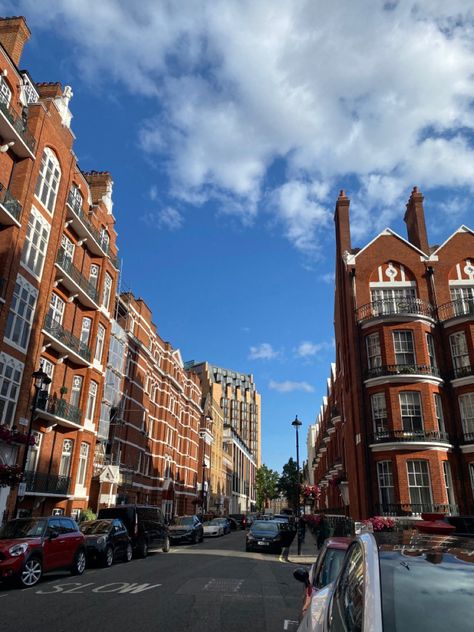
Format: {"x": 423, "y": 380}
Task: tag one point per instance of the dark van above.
{"x": 145, "y": 525}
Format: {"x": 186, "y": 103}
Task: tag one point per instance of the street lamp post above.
{"x": 203, "y": 502}
{"x": 296, "y": 424}
{"x": 40, "y": 380}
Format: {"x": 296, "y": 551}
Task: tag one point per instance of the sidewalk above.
{"x": 309, "y": 550}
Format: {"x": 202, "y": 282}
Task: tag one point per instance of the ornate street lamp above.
{"x": 296, "y": 425}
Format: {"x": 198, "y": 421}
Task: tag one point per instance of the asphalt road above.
{"x": 210, "y": 587}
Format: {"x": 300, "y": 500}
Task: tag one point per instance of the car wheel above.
{"x": 108, "y": 557}
{"x": 31, "y": 572}
{"x": 201, "y": 539}
{"x": 79, "y": 564}
{"x": 194, "y": 538}
{"x": 128, "y": 553}
{"x": 143, "y": 549}
{"x": 166, "y": 545}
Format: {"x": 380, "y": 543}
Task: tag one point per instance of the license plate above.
{"x": 262, "y": 543}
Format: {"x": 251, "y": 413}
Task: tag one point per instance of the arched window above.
{"x": 48, "y": 180}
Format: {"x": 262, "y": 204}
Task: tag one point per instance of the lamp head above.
{"x": 296, "y": 423}
{"x": 40, "y": 378}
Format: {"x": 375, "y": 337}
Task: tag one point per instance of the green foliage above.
{"x": 266, "y": 482}
{"x": 87, "y": 514}
{"x": 289, "y": 484}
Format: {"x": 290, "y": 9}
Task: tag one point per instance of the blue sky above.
{"x": 229, "y": 128}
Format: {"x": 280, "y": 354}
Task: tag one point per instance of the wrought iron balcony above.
{"x": 13, "y": 128}
{"x": 462, "y": 371}
{"x": 402, "y": 369}
{"x": 115, "y": 261}
{"x": 101, "y": 247}
{"x": 404, "y": 436}
{"x": 395, "y": 307}
{"x": 66, "y": 339}
{"x": 455, "y": 309}
{"x": 81, "y": 283}
{"x": 414, "y": 509}
{"x": 60, "y": 409}
{"x": 468, "y": 437}
{"x": 10, "y": 208}
{"x": 45, "y": 483}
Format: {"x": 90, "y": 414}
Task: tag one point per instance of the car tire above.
{"x": 79, "y": 564}
{"x": 201, "y": 539}
{"x": 30, "y": 573}
{"x": 143, "y": 549}
{"x": 108, "y": 557}
{"x": 166, "y": 545}
{"x": 128, "y": 553}
{"x": 194, "y": 539}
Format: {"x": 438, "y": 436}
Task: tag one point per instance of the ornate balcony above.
{"x": 13, "y": 129}
{"x": 59, "y": 411}
{"x": 462, "y": 375}
{"x": 414, "y": 510}
{"x": 395, "y": 309}
{"x": 411, "y": 436}
{"x": 75, "y": 282}
{"x": 84, "y": 227}
{"x": 460, "y": 308}
{"x": 403, "y": 373}
{"x": 10, "y": 208}
{"x": 65, "y": 342}
{"x": 39, "y": 483}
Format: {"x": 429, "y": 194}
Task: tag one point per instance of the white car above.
{"x": 213, "y": 529}
{"x": 399, "y": 583}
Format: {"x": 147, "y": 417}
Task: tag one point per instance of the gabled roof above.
{"x": 461, "y": 229}
{"x": 388, "y": 231}
{"x": 177, "y": 355}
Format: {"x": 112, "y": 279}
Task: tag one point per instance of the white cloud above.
{"x": 382, "y": 93}
{"x": 306, "y": 349}
{"x": 166, "y": 218}
{"x": 328, "y": 277}
{"x": 289, "y": 387}
{"x": 263, "y": 351}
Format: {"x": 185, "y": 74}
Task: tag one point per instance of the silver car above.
{"x": 398, "y": 583}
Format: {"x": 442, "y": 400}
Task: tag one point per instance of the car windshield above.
{"x": 427, "y": 591}
{"x": 330, "y": 568}
{"x": 185, "y": 520}
{"x": 264, "y": 525}
{"x": 98, "y": 526}
{"x": 24, "y": 528}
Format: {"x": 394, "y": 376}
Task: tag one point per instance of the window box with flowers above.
{"x": 11, "y": 435}
{"x": 380, "y": 523}
{"x": 10, "y": 475}
{"x": 310, "y": 492}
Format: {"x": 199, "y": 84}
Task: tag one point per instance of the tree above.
{"x": 289, "y": 483}
{"x": 266, "y": 482}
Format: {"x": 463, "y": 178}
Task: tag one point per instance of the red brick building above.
{"x": 396, "y": 430}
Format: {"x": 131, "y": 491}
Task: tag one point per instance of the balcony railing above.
{"x": 60, "y": 408}
{"x": 410, "y": 509}
{"x": 393, "y": 307}
{"x": 19, "y": 125}
{"x": 389, "y": 436}
{"x": 402, "y": 369}
{"x": 468, "y": 437}
{"x": 76, "y": 207}
{"x": 70, "y": 269}
{"x": 115, "y": 261}
{"x": 66, "y": 338}
{"x": 462, "y": 371}
{"x": 454, "y": 309}
{"x": 9, "y": 203}
{"x": 44, "y": 483}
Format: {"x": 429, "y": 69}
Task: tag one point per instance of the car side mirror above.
{"x": 302, "y": 575}
{"x": 53, "y": 533}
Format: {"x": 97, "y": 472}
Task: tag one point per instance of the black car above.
{"x": 264, "y": 535}
{"x": 107, "y": 540}
{"x": 286, "y": 531}
{"x": 145, "y": 525}
{"x": 186, "y": 529}
{"x": 240, "y": 519}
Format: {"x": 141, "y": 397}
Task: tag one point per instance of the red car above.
{"x": 30, "y": 547}
{"x": 325, "y": 569}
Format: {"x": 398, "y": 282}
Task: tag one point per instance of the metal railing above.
{"x": 115, "y": 261}
{"x": 44, "y": 483}
{"x": 402, "y": 369}
{"x": 20, "y": 126}
{"x": 66, "y": 338}
{"x": 76, "y": 207}
{"x": 468, "y": 437}
{"x": 393, "y": 307}
{"x": 60, "y": 408}
{"x": 10, "y": 203}
{"x": 387, "y": 436}
{"x": 462, "y": 371}
{"x": 414, "y": 509}
{"x": 70, "y": 269}
{"x": 459, "y": 307}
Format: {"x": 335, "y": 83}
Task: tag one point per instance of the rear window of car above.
{"x": 427, "y": 591}
{"x": 124, "y": 513}
{"x": 264, "y": 525}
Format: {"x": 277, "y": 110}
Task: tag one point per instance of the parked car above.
{"x": 287, "y": 533}
{"x": 240, "y": 519}
{"x": 234, "y": 525}
{"x": 30, "y": 547}
{"x": 264, "y": 535}
{"x": 225, "y": 522}
{"x": 145, "y": 525}
{"x": 186, "y": 528}
{"x": 107, "y": 540}
{"x": 212, "y": 528}
{"x": 324, "y": 570}
{"x": 290, "y": 521}
{"x": 398, "y": 582}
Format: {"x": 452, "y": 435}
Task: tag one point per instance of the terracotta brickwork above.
{"x": 395, "y": 433}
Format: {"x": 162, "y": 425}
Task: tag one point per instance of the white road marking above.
{"x": 237, "y": 588}
{"x": 78, "y": 588}
{"x": 289, "y": 624}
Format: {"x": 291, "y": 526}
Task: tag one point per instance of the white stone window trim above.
{"x": 40, "y": 219}
{"x": 48, "y": 157}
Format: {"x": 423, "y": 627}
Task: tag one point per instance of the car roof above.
{"x": 340, "y": 543}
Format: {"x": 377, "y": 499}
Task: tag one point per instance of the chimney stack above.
{"x": 415, "y": 221}
{"x": 14, "y": 33}
{"x": 341, "y": 219}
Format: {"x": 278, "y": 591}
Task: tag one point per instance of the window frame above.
{"x": 411, "y": 417}
{"x": 83, "y": 463}
{"x": 65, "y": 471}
{"x": 35, "y": 245}
{"x": 18, "y": 336}
{"x": 379, "y": 428}
{"x": 466, "y": 412}
{"x": 459, "y": 353}
{"x": 404, "y": 340}
{"x": 99, "y": 343}
{"x": 372, "y": 342}
{"x": 48, "y": 181}
{"x": 384, "y": 476}
{"x": 428, "y": 487}
{"x": 91, "y": 400}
